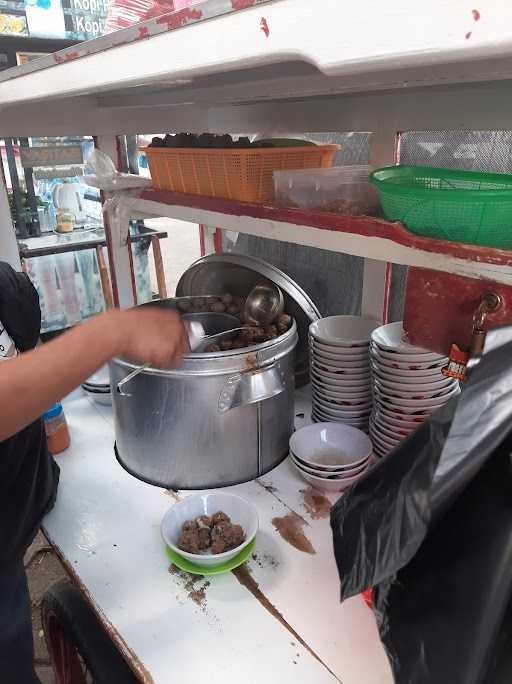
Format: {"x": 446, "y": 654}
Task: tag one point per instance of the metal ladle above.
{"x": 264, "y": 304}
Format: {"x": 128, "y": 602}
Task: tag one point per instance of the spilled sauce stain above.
{"x": 316, "y": 504}
{"x": 290, "y": 528}
{"x": 174, "y": 495}
{"x": 190, "y": 582}
{"x": 245, "y": 578}
{"x": 476, "y": 14}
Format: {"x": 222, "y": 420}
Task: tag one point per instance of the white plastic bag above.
{"x": 101, "y": 173}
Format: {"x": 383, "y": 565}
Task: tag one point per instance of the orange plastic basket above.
{"x": 237, "y": 174}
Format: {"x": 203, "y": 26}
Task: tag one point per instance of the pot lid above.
{"x": 237, "y": 274}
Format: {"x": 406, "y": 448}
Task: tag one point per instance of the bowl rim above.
{"x": 225, "y": 555}
{"x": 327, "y": 425}
{"x": 339, "y": 473}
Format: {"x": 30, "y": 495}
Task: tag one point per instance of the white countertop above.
{"x": 106, "y": 528}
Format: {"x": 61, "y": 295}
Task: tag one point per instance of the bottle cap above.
{"x": 55, "y": 410}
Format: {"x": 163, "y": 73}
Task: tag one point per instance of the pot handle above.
{"x": 250, "y": 387}
{"x": 129, "y": 377}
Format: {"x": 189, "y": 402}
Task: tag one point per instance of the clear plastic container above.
{"x": 340, "y": 189}
{"x": 57, "y": 432}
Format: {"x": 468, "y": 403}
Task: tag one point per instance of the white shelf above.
{"x": 184, "y": 67}
{"x": 366, "y": 237}
{"x": 105, "y": 526}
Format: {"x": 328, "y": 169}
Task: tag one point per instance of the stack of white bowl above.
{"x": 340, "y": 369}
{"x": 408, "y": 386}
{"x": 330, "y": 456}
{"x": 97, "y": 387}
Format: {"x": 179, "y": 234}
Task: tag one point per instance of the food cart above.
{"x": 266, "y": 66}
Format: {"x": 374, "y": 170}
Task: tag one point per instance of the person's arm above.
{"x": 31, "y": 383}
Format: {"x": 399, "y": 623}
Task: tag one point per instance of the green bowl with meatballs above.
{"x": 210, "y": 529}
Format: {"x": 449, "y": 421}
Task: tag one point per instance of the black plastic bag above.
{"x": 380, "y": 525}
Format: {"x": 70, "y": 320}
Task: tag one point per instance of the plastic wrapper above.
{"x": 405, "y": 509}
{"x": 101, "y": 173}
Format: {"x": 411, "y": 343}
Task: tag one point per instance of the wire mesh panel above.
{"x": 466, "y": 150}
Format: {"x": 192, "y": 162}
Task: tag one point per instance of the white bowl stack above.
{"x": 329, "y": 456}
{"x": 98, "y": 387}
{"x": 408, "y": 386}
{"x": 340, "y": 369}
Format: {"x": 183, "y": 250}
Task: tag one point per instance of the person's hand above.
{"x": 151, "y": 335}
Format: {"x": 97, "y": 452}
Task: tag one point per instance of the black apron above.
{"x": 28, "y": 474}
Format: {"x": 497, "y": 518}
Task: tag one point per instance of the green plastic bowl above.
{"x": 445, "y": 204}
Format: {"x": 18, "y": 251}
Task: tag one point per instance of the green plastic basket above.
{"x": 461, "y": 206}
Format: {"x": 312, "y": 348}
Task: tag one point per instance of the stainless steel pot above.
{"x": 238, "y": 274}
{"x": 219, "y": 419}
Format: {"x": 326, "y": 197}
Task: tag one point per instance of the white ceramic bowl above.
{"x": 344, "y": 402}
{"x": 412, "y": 392}
{"x": 359, "y": 423}
{"x": 397, "y": 421}
{"x": 332, "y": 444}
{"x": 412, "y": 366}
{"x": 341, "y": 411}
{"x": 332, "y": 474}
{"x": 411, "y": 415}
{"x": 347, "y": 367}
{"x": 336, "y": 485}
{"x": 377, "y": 436}
{"x": 407, "y": 376}
{"x": 343, "y": 331}
{"x": 337, "y": 353}
{"x": 390, "y": 431}
{"x": 392, "y": 337}
{"x": 347, "y": 383}
{"x": 405, "y": 358}
{"x": 362, "y": 361}
{"x": 417, "y": 403}
{"x": 426, "y": 386}
{"x": 240, "y": 511}
{"x": 100, "y": 378}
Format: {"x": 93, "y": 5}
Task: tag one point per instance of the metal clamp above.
{"x": 251, "y": 387}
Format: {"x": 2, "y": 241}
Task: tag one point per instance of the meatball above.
{"x": 233, "y": 310}
{"x": 218, "y": 307}
{"x": 204, "y": 522}
{"x": 204, "y": 538}
{"x": 189, "y": 541}
{"x": 220, "y": 517}
{"x": 212, "y": 348}
{"x": 284, "y": 320}
{"x": 227, "y": 299}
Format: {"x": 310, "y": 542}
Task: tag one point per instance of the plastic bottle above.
{"x": 56, "y": 427}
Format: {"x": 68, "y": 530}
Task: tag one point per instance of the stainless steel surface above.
{"x": 207, "y": 340}
{"x": 130, "y": 377}
{"x": 264, "y": 304}
{"x": 238, "y": 274}
{"x": 173, "y": 431}
{"x": 213, "y": 323}
{"x": 243, "y": 389}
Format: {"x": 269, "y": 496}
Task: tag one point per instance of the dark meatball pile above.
{"x": 215, "y": 534}
{"x": 250, "y": 335}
